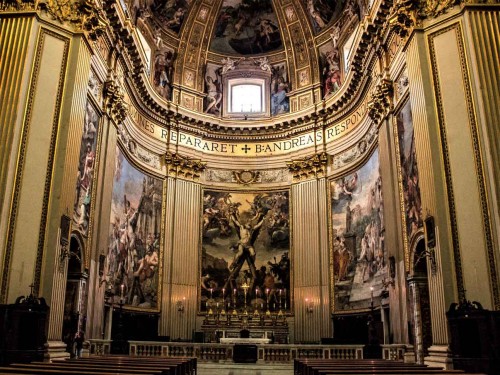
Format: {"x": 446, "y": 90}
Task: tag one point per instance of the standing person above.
{"x": 79, "y": 339}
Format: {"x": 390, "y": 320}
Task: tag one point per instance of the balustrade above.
{"x": 214, "y": 352}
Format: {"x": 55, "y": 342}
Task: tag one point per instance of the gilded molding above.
{"x": 314, "y": 166}
{"x": 381, "y": 102}
{"x": 180, "y": 166}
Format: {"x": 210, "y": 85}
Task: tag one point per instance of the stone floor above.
{"x": 244, "y": 369}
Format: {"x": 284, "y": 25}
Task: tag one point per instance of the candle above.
{"x": 267, "y": 291}
{"x": 371, "y": 292}
{"x": 256, "y": 292}
{"x": 211, "y": 291}
{"x": 223, "y": 292}
{"x": 234, "y": 291}
{"x": 122, "y": 288}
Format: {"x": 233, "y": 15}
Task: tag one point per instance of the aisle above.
{"x": 244, "y": 369}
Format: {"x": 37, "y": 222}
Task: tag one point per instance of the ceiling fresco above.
{"x": 246, "y": 27}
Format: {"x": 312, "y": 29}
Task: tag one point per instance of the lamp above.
{"x": 180, "y": 304}
{"x": 309, "y": 305}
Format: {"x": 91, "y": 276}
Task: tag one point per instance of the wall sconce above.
{"x": 309, "y": 305}
{"x": 180, "y": 304}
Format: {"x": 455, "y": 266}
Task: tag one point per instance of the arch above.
{"x": 419, "y": 304}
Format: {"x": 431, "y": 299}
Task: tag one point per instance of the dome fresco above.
{"x": 321, "y": 12}
{"x": 166, "y": 14}
{"x": 246, "y": 27}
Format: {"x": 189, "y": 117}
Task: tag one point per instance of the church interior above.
{"x": 250, "y": 181}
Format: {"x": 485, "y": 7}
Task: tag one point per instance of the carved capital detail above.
{"x": 183, "y": 166}
{"x": 434, "y": 8}
{"x": 381, "y": 102}
{"x": 402, "y": 18}
{"x": 114, "y": 101}
{"x": 314, "y": 166}
{"x": 81, "y": 15}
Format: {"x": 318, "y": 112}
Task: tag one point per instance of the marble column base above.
{"x": 439, "y": 356}
{"x": 409, "y": 355}
{"x": 55, "y": 351}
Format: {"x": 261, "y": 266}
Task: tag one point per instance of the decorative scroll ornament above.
{"x": 183, "y": 167}
{"x": 310, "y": 167}
{"x": 246, "y": 177}
{"x": 381, "y": 103}
{"x": 114, "y": 99}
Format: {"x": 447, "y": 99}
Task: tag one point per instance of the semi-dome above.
{"x": 298, "y": 53}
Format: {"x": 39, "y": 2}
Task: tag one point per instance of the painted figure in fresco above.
{"x": 316, "y": 15}
{"x": 248, "y": 234}
{"x": 176, "y": 21}
{"x": 164, "y": 66}
{"x": 148, "y": 264}
{"x": 331, "y": 73}
{"x": 344, "y": 257}
{"x": 279, "y": 91}
{"x": 88, "y": 167}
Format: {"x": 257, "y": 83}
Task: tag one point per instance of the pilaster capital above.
{"x": 314, "y": 166}
{"x": 183, "y": 167}
{"x": 81, "y": 15}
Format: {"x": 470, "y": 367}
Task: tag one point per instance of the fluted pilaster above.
{"x": 181, "y": 261}
{"x": 441, "y": 284}
{"x": 310, "y": 260}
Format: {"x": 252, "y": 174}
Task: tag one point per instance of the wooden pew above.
{"x": 30, "y": 371}
{"x": 131, "y": 370}
{"x": 184, "y": 366}
{"x": 361, "y": 367}
{"x": 111, "y": 365}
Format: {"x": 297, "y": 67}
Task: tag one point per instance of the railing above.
{"x": 99, "y": 347}
{"x": 211, "y": 352}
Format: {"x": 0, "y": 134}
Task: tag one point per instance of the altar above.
{"x": 264, "y": 329}
{"x": 240, "y": 341}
